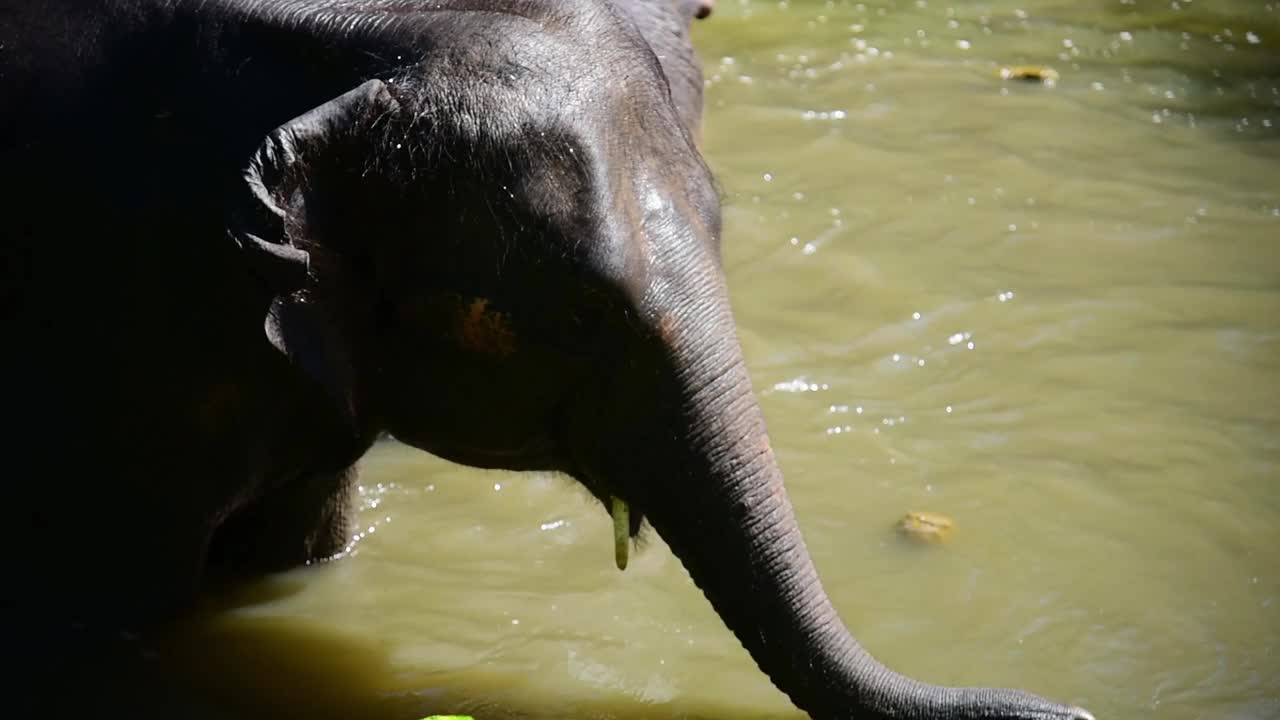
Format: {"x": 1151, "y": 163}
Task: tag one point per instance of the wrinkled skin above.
{"x": 245, "y": 238}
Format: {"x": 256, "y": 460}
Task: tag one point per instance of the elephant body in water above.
{"x": 243, "y": 238}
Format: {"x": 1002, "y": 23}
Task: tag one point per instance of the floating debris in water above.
{"x": 930, "y": 527}
{"x": 1047, "y": 76}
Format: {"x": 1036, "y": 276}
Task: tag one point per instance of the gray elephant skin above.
{"x": 245, "y": 238}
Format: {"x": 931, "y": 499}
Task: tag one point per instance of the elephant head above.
{"x": 511, "y": 260}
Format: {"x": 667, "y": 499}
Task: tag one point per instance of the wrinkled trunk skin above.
{"x": 715, "y": 494}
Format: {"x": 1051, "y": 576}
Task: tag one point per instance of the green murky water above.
{"x": 1050, "y": 312}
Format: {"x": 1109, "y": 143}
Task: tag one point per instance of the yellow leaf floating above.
{"x": 1030, "y": 73}
{"x": 928, "y": 527}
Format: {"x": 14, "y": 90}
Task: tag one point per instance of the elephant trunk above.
{"x": 722, "y": 509}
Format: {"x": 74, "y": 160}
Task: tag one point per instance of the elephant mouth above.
{"x": 540, "y": 452}
{"x": 628, "y": 518}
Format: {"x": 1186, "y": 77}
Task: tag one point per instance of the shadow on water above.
{"x": 220, "y": 661}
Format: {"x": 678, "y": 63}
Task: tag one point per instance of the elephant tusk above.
{"x": 621, "y": 527}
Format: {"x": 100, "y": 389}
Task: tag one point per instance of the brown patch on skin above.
{"x": 483, "y": 330}
{"x": 777, "y": 490}
{"x": 667, "y": 329}
{"x": 764, "y": 446}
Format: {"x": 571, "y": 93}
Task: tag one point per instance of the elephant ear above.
{"x": 300, "y": 162}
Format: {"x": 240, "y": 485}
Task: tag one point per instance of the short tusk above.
{"x": 621, "y": 531}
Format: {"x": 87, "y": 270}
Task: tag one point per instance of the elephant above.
{"x": 246, "y": 238}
